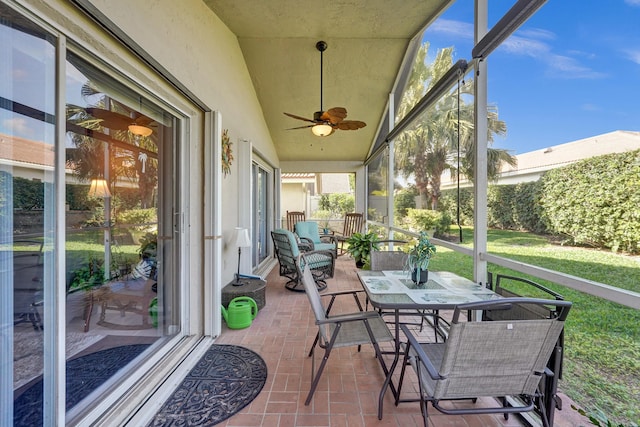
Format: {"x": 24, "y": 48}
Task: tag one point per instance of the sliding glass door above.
{"x": 90, "y": 237}
{"x": 27, "y": 207}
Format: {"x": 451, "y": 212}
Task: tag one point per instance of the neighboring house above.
{"x": 533, "y": 164}
{"x": 301, "y": 191}
{"x": 296, "y": 190}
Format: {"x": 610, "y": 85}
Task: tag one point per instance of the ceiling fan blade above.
{"x": 299, "y": 118}
{"x": 110, "y": 119}
{"x": 301, "y": 127}
{"x": 335, "y": 115}
{"x": 350, "y": 125}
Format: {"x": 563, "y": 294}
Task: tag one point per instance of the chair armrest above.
{"x": 344, "y": 292}
{"x": 351, "y": 317}
{"x": 335, "y": 294}
{"x": 306, "y": 243}
{"x": 330, "y": 238}
{"x": 413, "y": 342}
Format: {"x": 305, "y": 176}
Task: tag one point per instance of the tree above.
{"x": 428, "y": 149}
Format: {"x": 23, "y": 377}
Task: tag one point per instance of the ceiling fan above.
{"x": 326, "y": 122}
{"x": 138, "y": 124}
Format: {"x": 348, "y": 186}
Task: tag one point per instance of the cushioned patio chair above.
{"x": 498, "y": 359}
{"x": 343, "y": 330}
{"x": 322, "y": 263}
{"x": 293, "y": 217}
{"x": 353, "y": 223}
{"x": 511, "y": 286}
{"x": 309, "y": 233}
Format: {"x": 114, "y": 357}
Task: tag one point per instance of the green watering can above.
{"x": 241, "y": 311}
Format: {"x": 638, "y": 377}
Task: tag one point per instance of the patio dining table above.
{"x": 394, "y": 291}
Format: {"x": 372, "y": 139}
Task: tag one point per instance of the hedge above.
{"x": 596, "y": 201}
{"x": 592, "y": 202}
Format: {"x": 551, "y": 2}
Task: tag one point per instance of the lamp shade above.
{"x": 242, "y": 237}
{"x": 99, "y": 188}
{"x": 322, "y": 130}
{"x": 140, "y": 130}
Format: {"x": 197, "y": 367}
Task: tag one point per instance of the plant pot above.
{"x": 424, "y": 276}
{"x": 359, "y": 264}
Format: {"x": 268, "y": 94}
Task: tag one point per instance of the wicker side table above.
{"x": 254, "y": 288}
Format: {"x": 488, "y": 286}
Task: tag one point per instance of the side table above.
{"x": 254, "y": 288}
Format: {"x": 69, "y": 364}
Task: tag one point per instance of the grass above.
{"x": 602, "y": 356}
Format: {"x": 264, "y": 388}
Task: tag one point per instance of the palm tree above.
{"x": 430, "y": 148}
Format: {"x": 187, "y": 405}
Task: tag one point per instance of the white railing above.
{"x": 602, "y": 290}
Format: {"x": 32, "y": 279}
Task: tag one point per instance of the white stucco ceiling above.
{"x": 367, "y": 41}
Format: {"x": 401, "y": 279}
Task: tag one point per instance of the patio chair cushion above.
{"x": 308, "y": 230}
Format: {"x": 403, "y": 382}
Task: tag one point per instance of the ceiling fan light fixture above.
{"x": 140, "y": 130}
{"x": 321, "y": 129}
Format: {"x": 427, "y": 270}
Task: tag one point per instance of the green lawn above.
{"x": 602, "y": 356}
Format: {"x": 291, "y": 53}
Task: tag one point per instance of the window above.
{"x": 118, "y": 268}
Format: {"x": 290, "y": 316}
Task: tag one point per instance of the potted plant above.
{"x": 419, "y": 257}
{"x": 361, "y": 245}
{"x": 323, "y": 220}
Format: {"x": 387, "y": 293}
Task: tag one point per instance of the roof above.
{"x": 23, "y": 151}
{"x": 558, "y": 155}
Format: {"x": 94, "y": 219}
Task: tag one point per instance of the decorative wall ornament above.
{"x": 227, "y": 153}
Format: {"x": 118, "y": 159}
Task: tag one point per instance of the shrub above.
{"x": 449, "y": 203}
{"x": 595, "y": 201}
{"x": 137, "y": 216}
{"x": 403, "y": 200}
{"x": 426, "y": 220}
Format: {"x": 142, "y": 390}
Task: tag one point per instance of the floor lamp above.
{"x": 242, "y": 241}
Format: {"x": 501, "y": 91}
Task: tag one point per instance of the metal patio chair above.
{"x": 499, "y": 359}
{"x": 388, "y": 259}
{"x": 322, "y": 263}
{"x": 343, "y": 330}
{"x": 396, "y": 259}
{"x": 510, "y": 287}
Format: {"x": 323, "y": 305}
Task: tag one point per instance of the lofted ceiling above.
{"x": 367, "y": 41}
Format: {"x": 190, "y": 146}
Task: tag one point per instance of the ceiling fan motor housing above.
{"x": 317, "y": 116}
{"x": 321, "y": 46}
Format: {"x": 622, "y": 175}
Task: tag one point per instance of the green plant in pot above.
{"x": 361, "y": 245}
{"x": 323, "y": 220}
{"x": 419, "y": 257}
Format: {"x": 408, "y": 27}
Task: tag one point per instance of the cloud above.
{"x": 534, "y": 44}
{"x": 565, "y": 66}
{"x": 590, "y": 107}
{"x": 633, "y": 2}
{"x": 17, "y": 126}
{"x": 633, "y": 55}
{"x": 452, "y": 28}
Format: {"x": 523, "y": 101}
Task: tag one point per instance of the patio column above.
{"x": 480, "y": 134}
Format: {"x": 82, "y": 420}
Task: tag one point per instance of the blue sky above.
{"x": 572, "y": 71}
